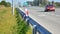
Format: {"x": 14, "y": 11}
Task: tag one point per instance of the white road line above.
{"x": 43, "y": 15}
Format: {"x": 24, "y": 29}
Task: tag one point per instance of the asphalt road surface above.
{"x": 49, "y": 20}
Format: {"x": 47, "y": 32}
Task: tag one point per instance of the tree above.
{"x": 3, "y": 3}
{"x": 6, "y": 4}
{"x": 36, "y": 2}
{"x": 3, "y": 0}
{"x": 57, "y": 4}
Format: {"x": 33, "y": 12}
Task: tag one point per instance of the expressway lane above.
{"x": 49, "y": 20}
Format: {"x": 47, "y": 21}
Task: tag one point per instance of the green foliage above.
{"x": 6, "y": 4}
{"x": 3, "y": 3}
{"x": 57, "y": 4}
{"x": 8, "y": 24}
{"x": 22, "y": 25}
{"x": 36, "y": 2}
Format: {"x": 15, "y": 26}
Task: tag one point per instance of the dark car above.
{"x": 49, "y": 8}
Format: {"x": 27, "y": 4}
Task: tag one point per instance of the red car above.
{"x": 49, "y": 8}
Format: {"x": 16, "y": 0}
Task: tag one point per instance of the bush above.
{"x": 6, "y": 4}
{"x": 22, "y": 25}
{"x": 57, "y": 4}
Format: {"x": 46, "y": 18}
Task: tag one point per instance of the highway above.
{"x": 49, "y": 20}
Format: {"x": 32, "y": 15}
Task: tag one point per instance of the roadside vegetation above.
{"x": 23, "y": 28}
{"x": 6, "y": 4}
{"x": 10, "y": 24}
{"x": 57, "y": 4}
{"x": 7, "y": 21}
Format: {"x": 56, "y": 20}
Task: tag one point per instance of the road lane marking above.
{"x": 42, "y": 15}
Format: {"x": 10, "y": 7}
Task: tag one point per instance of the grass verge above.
{"x": 10, "y": 24}
{"x": 7, "y": 21}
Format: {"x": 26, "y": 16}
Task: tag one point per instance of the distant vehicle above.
{"x": 49, "y": 8}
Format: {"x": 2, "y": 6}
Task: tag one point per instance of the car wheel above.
{"x": 46, "y": 10}
{"x": 54, "y": 10}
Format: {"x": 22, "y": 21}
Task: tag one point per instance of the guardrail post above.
{"x": 27, "y": 20}
{"x": 24, "y": 17}
{"x": 34, "y": 29}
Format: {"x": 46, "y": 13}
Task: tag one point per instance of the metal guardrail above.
{"x": 36, "y": 27}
